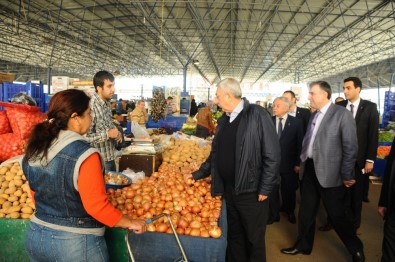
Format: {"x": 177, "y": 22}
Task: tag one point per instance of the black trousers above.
{"x": 274, "y": 203}
{"x": 366, "y": 183}
{"x": 333, "y": 199}
{"x": 355, "y": 196}
{"x": 389, "y": 239}
{"x": 289, "y": 185}
{"x": 246, "y": 227}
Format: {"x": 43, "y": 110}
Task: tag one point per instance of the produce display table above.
{"x": 149, "y": 246}
{"x": 380, "y": 163}
{"x": 12, "y": 239}
{"x": 162, "y": 247}
{"x": 379, "y": 167}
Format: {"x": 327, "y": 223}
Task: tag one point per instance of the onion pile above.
{"x": 192, "y": 209}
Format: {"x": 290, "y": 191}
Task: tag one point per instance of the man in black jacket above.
{"x": 386, "y": 208}
{"x": 243, "y": 164}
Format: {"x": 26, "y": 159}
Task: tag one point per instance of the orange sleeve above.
{"x": 92, "y": 190}
{"x": 32, "y": 193}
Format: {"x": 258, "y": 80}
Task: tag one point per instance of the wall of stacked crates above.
{"x": 389, "y": 108}
{"x": 36, "y": 91}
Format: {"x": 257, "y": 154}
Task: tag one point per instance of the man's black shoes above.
{"x": 358, "y": 257}
{"x": 294, "y": 251}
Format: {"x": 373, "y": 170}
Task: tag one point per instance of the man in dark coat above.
{"x": 290, "y": 132}
{"x": 243, "y": 164}
{"x": 194, "y": 108}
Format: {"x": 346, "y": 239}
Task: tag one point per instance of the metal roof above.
{"x": 267, "y": 40}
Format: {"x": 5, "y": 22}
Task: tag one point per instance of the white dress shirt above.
{"x": 293, "y": 113}
{"x": 356, "y": 105}
{"x": 284, "y": 119}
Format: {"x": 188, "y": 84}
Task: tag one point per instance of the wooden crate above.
{"x": 141, "y": 162}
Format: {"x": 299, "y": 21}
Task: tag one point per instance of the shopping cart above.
{"x": 149, "y": 221}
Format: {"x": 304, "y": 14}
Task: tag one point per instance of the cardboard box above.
{"x": 59, "y": 83}
{"x": 6, "y": 77}
{"x": 141, "y": 162}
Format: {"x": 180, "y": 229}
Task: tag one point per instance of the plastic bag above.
{"x": 22, "y": 98}
{"x": 134, "y": 176}
{"x": 139, "y": 131}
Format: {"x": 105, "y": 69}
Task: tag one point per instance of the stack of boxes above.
{"x": 389, "y": 108}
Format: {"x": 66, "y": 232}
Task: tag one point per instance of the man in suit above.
{"x": 290, "y": 132}
{"x": 386, "y": 208}
{"x": 328, "y": 159}
{"x": 298, "y": 112}
{"x": 367, "y": 121}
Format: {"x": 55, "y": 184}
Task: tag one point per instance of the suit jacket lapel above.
{"x": 327, "y": 115}
{"x": 360, "y": 109}
{"x": 286, "y": 126}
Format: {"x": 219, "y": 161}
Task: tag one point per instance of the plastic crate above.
{"x": 36, "y": 91}
{"x": 11, "y": 89}
{"x": 389, "y": 95}
{"x": 379, "y": 167}
{"x": 47, "y": 99}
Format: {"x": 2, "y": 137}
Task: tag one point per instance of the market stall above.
{"x": 383, "y": 149}
{"x": 200, "y": 219}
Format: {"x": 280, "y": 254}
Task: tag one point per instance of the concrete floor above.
{"x": 327, "y": 245}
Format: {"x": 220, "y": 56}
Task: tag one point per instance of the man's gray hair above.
{"x": 231, "y": 86}
{"x": 140, "y": 101}
{"x": 284, "y": 99}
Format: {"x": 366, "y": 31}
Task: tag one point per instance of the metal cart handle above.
{"x": 149, "y": 221}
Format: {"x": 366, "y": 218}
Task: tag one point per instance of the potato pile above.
{"x": 15, "y": 198}
{"x": 184, "y": 153}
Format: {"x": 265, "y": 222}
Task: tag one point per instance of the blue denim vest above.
{"x": 57, "y": 200}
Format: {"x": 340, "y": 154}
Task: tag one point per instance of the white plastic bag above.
{"x": 139, "y": 131}
{"x": 134, "y": 176}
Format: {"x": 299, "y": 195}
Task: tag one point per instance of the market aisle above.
{"x": 327, "y": 245}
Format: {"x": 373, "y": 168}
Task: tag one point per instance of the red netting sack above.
{"x": 4, "y": 123}
{"x": 23, "y": 118}
{"x": 10, "y": 145}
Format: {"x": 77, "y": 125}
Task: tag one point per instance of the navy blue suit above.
{"x": 291, "y": 145}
